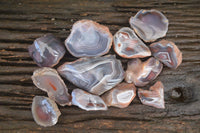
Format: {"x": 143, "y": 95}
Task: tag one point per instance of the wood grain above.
{"x": 22, "y": 21}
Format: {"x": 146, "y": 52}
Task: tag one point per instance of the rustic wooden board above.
{"x": 23, "y": 21}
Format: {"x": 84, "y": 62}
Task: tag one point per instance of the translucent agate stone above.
{"x": 45, "y": 111}
{"x": 47, "y": 51}
{"x": 87, "y": 101}
{"x": 120, "y": 96}
{"x": 154, "y": 96}
{"x": 48, "y": 80}
{"x": 141, "y": 73}
{"x": 95, "y": 75}
{"x": 167, "y": 52}
{"x": 128, "y": 45}
{"x": 149, "y": 25}
{"x": 88, "y": 39}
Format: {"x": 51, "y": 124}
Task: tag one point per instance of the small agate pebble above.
{"x": 88, "y": 39}
{"x": 149, "y": 25}
{"x": 141, "y": 73}
{"x": 45, "y": 111}
{"x": 48, "y": 80}
{"x": 167, "y": 52}
{"x": 128, "y": 45}
{"x": 154, "y": 96}
{"x": 47, "y": 51}
{"x": 95, "y": 75}
{"x": 87, "y": 101}
{"x": 120, "y": 96}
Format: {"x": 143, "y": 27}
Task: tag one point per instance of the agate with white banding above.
{"x": 154, "y": 96}
{"x": 95, "y": 75}
{"x": 141, "y": 73}
{"x": 88, "y": 38}
{"x": 167, "y": 52}
{"x": 149, "y": 25}
{"x": 47, "y": 51}
{"x": 48, "y": 80}
{"x": 45, "y": 111}
{"x": 128, "y": 45}
{"x": 120, "y": 96}
{"x": 87, "y": 101}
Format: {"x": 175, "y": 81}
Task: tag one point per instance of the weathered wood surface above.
{"x": 23, "y": 21}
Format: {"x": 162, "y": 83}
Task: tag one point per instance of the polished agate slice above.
{"x": 154, "y": 96}
{"x": 95, "y": 75}
{"x": 88, "y": 39}
{"x": 47, "y": 51}
{"x": 149, "y": 25}
{"x": 167, "y": 52}
{"x": 48, "y": 80}
{"x": 141, "y": 73}
{"x": 128, "y": 45}
{"x": 45, "y": 111}
{"x": 120, "y": 96}
{"x": 87, "y": 101}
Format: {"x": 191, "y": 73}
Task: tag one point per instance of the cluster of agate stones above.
{"x": 101, "y": 80}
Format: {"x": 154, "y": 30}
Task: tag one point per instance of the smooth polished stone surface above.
{"x": 47, "y": 50}
{"x": 128, "y": 45}
{"x": 48, "y": 80}
{"x": 95, "y": 75}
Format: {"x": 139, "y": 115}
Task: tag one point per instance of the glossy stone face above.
{"x": 96, "y": 75}
{"x": 167, "y": 52}
{"x": 141, "y": 73}
{"x": 120, "y": 96}
{"x": 47, "y": 51}
{"x": 88, "y": 39}
{"x": 154, "y": 96}
{"x": 45, "y": 111}
{"x": 149, "y": 25}
{"x": 87, "y": 101}
{"x": 128, "y": 45}
{"x": 48, "y": 80}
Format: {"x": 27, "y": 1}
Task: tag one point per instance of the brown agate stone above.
{"x": 154, "y": 96}
{"x": 167, "y": 52}
{"x": 120, "y": 96}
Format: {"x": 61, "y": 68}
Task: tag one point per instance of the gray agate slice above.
{"x": 95, "y": 75}
{"x": 47, "y": 51}
{"x": 87, "y": 101}
{"x": 45, "y": 111}
{"x": 48, "y": 80}
{"x": 149, "y": 25}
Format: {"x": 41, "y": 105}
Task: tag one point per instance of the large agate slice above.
{"x": 128, "y": 45}
{"x": 87, "y": 101}
{"x": 120, "y": 96}
{"x": 154, "y": 96}
{"x": 95, "y": 75}
{"x": 88, "y": 39}
{"x": 149, "y": 24}
{"x": 48, "y": 80}
{"x": 45, "y": 111}
{"x": 47, "y": 51}
{"x": 141, "y": 73}
{"x": 167, "y": 52}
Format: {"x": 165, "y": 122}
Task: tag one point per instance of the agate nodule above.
{"x": 128, "y": 45}
{"x": 45, "y": 111}
{"x": 167, "y": 52}
{"x": 149, "y": 25}
{"x": 88, "y": 38}
{"x": 87, "y": 101}
{"x": 47, "y": 51}
{"x": 120, "y": 96}
{"x": 95, "y": 75}
{"x": 48, "y": 80}
{"x": 154, "y": 96}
